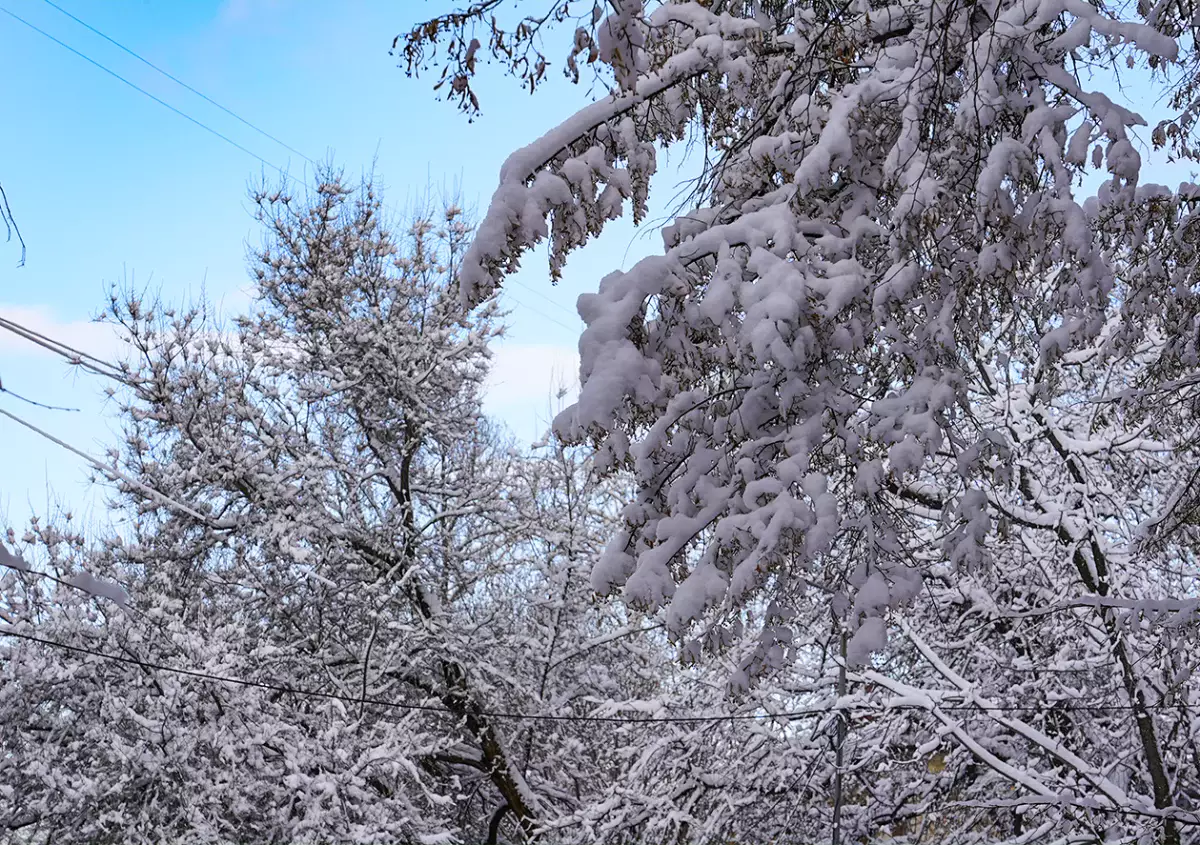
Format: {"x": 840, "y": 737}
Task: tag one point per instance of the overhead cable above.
{"x": 303, "y": 692}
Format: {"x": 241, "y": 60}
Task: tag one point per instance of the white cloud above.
{"x": 525, "y": 379}
{"x": 531, "y": 372}
{"x": 523, "y": 385}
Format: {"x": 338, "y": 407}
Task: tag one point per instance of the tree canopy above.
{"x": 923, "y": 355}
{"x": 874, "y": 519}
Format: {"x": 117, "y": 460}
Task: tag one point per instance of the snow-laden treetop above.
{"x": 891, "y": 217}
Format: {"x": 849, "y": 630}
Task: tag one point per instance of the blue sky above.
{"x": 108, "y": 185}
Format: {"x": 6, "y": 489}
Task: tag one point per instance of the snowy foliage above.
{"x": 899, "y": 377}
{"x": 371, "y": 556}
{"x": 891, "y": 454}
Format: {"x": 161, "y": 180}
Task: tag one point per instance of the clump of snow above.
{"x": 12, "y": 561}
{"x": 99, "y": 587}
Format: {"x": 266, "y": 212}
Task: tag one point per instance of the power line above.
{"x": 540, "y": 295}
{"x": 545, "y": 717}
{"x": 141, "y": 90}
{"x": 74, "y": 356}
{"x": 111, "y": 472}
{"x": 541, "y": 314}
{"x": 34, "y": 402}
{"x": 228, "y": 111}
{"x": 396, "y": 705}
{"x": 179, "y": 81}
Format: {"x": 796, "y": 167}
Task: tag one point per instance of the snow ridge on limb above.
{"x": 883, "y": 188}
{"x": 373, "y": 540}
{"x": 896, "y": 360}
{"x": 576, "y": 177}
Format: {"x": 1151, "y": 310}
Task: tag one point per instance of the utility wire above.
{"x": 540, "y": 295}
{"x": 73, "y": 355}
{"x": 141, "y": 90}
{"x": 111, "y": 472}
{"x": 541, "y": 314}
{"x": 179, "y": 82}
{"x": 34, "y": 402}
{"x": 232, "y": 114}
{"x": 544, "y": 717}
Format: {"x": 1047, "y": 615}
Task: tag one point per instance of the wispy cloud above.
{"x": 525, "y": 381}
{"x": 523, "y": 384}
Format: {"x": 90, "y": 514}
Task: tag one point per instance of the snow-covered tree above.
{"x": 318, "y": 508}
{"x": 899, "y": 364}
